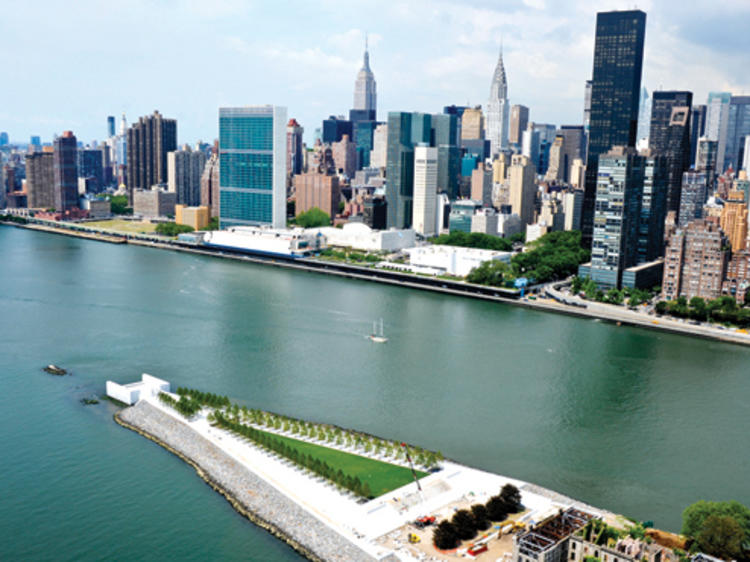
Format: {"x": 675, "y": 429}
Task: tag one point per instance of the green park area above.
{"x": 120, "y": 225}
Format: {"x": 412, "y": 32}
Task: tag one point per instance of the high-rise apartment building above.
{"x": 344, "y": 154}
{"x": 66, "y": 172}
{"x": 184, "y": 170}
{"x": 252, "y": 160}
{"x": 91, "y": 165}
{"x": 481, "y": 185}
{"x": 425, "y": 189}
{"x": 670, "y": 137}
{"x": 734, "y": 220}
{"x": 693, "y": 197}
{"x": 498, "y": 109}
{"x": 317, "y": 189}
{"x": 615, "y": 95}
{"x": 294, "y": 154}
{"x": 148, "y": 142}
{"x": 519, "y": 120}
{"x": 695, "y": 261}
{"x": 617, "y": 217}
{"x": 523, "y": 188}
{"x": 40, "y": 180}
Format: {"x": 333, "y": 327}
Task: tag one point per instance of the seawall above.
{"x": 248, "y": 494}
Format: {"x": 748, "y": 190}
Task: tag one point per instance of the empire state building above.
{"x": 365, "y": 97}
{"x": 497, "y": 109}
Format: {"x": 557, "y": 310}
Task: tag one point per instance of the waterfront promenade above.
{"x": 315, "y": 518}
{"x": 586, "y": 309}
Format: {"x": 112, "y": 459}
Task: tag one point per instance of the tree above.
{"x": 722, "y": 536}
{"x": 473, "y": 240}
{"x": 481, "y": 519}
{"x": 444, "y": 536}
{"x": 465, "y": 524}
{"x": 661, "y": 307}
{"x": 695, "y": 515}
{"x": 172, "y": 229}
{"x": 511, "y": 497}
{"x": 119, "y": 205}
{"x": 496, "y": 509}
{"x": 313, "y": 218}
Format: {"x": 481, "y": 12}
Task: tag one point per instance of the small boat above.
{"x": 375, "y": 336}
{"x": 55, "y": 370}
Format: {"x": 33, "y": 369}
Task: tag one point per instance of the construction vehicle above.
{"x": 414, "y": 539}
{"x": 425, "y": 521}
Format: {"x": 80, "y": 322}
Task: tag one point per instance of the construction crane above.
{"x": 411, "y": 464}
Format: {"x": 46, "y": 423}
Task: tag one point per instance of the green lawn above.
{"x": 120, "y": 225}
{"x": 382, "y": 477}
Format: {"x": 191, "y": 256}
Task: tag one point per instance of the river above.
{"x": 638, "y": 422}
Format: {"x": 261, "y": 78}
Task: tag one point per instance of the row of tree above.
{"x": 465, "y": 523}
{"x": 556, "y": 255}
{"x": 722, "y": 309}
{"x": 282, "y": 448}
{"x": 205, "y": 398}
{"x": 589, "y": 289}
{"x": 13, "y": 218}
{"x": 172, "y": 228}
{"x": 186, "y": 405}
{"x": 474, "y": 240}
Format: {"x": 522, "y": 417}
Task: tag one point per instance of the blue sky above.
{"x": 67, "y": 65}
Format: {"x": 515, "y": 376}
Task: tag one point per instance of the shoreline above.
{"x": 622, "y": 317}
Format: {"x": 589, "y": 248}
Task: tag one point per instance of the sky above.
{"x": 67, "y": 65}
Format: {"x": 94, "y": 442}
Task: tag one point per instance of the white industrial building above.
{"x": 359, "y": 236}
{"x": 147, "y": 387}
{"x": 453, "y": 260}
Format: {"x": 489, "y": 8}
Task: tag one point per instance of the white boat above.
{"x": 375, "y": 336}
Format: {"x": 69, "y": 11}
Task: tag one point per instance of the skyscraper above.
{"x": 693, "y": 197}
{"x": 365, "y": 95}
{"x": 734, "y": 220}
{"x": 66, "y": 172}
{"x": 717, "y": 124}
{"x": 670, "y": 137}
{"x": 110, "y": 126}
{"x": 425, "y": 189}
{"x": 91, "y": 165}
{"x": 738, "y": 127}
{"x": 615, "y": 95}
{"x": 252, "y": 160}
{"x": 497, "y": 109}
{"x": 4, "y": 138}
{"x": 644, "y": 116}
{"x": 445, "y": 133}
{"x": 653, "y": 206}
{"x": 210, "y": 182}
{"x": 523, "y": 189}
{"x": 148, "y": 142}
{"x": 400, "y": 169}
{"x": 697, "y": 129}
{"x": 519, "y": 120}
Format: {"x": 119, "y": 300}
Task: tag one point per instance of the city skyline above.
{"x": 312, "y": 73}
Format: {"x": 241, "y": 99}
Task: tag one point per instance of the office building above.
{"x": 615, "y": 95}
{"x": 425, "y": 189}
{"x": 695, "y": 261}
{"x": 198, "y": 218}
{"x": 733, "y": 220}
{"x": 481, "y": 184}
{"x": 572, "y": 207}
{"x": 344, "y": 153}
{"x": 379, "y": 153}
{"x": 375, "y": 213}
{"x": 66, "y": 172}
{"x": 40, "y": 180}
{"x": 519, "y": 121}
{"x": 4, "y": 139}
{"x": 461, "y": 215}
{"x": 334, "y": 128}
{"x": 697, "y": 129}
{"x": 670, "y": 137}
{"x": 184, "y": 171}
{"x": 653, "y": 206}
{"x": 472, "y": 124}
{"x": 365, "y": 95}
{"x": 573, "y": 148}
{"x": 484, "y": 221}
{"x": 717, "y": 124}
{"x": 154, "y": 203}
{"x": 738, "y": 128}
{"x": 400, "y": 170}
{"x": 35, "y": 141}
{"x": 294, "y": 150}
{"x": 364, "y": 136}
{"x": 693, "y": 197}
{"x": 445, "y": 136}
{"x": 498, "y": 109}
{"x": 148, "y": 142}
{"x": 617, "y": 217}
{"x": 523, "y": 188}
{"x": 317, "y": 189}
{"x": 252, "y": 163}
{"x": 110, "y": 126}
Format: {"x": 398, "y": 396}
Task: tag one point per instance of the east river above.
{"x": 634, "y": 421}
